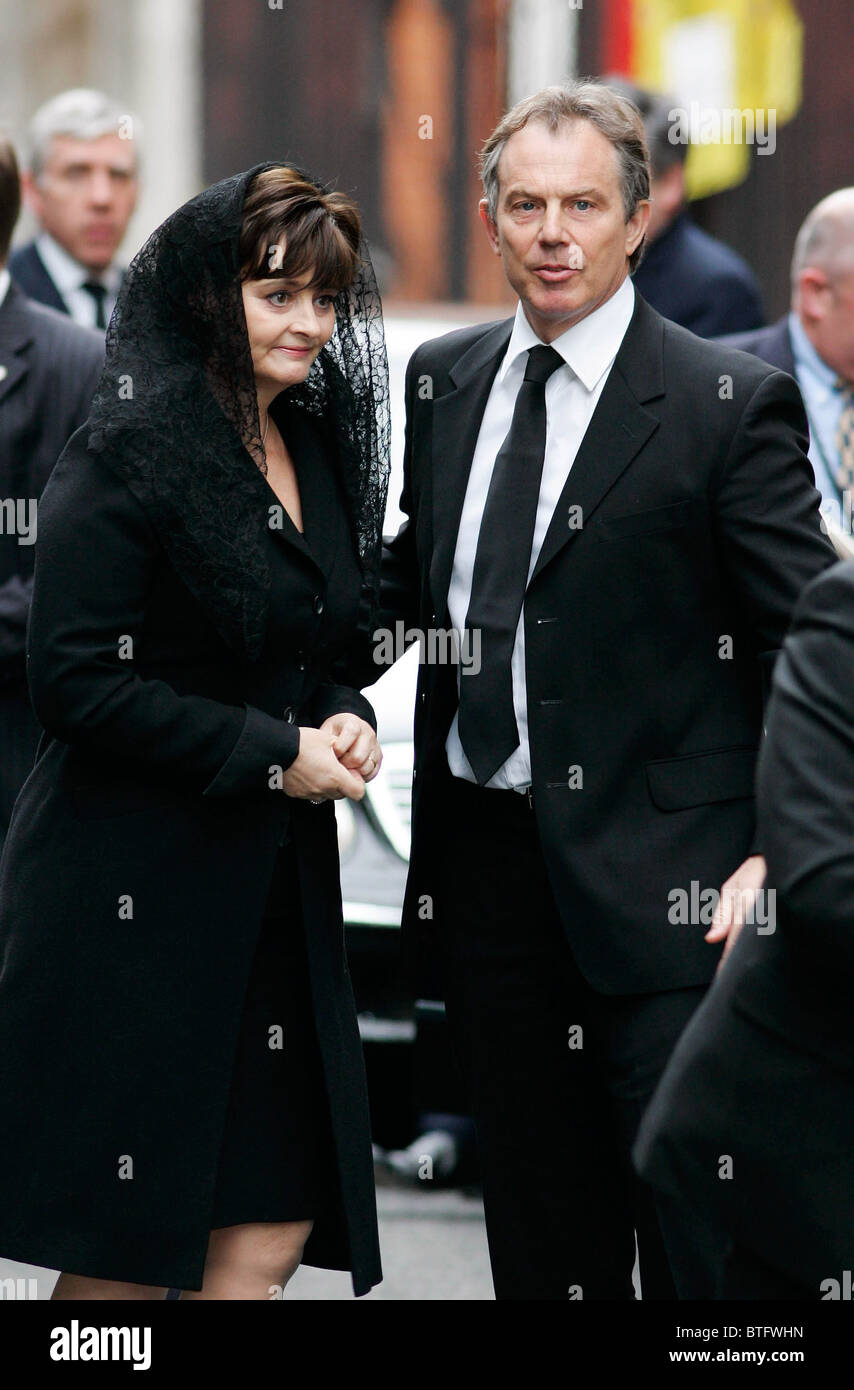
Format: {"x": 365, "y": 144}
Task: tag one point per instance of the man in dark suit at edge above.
{"x": 752, "y": 1126}
{"x": 623, "y": 515}
{"x": 49, "y": 368}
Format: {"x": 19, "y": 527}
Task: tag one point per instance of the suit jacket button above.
{"x": 289, "y": 714}
{"x": 300, "y": 661}
{"x": 318, "y": 603}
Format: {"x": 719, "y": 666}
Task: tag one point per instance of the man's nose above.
{"x": 552, "y": 228}
{"x": 100, "y": 187}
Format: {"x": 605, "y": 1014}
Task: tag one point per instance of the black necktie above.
{"x": 487, "y": 721}
{"x": 99, "y": 294}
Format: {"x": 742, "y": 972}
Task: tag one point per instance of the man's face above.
{"x": 832, "y": 327}
{"x": 560, "y": 227}
{"x": 85, "y": 196}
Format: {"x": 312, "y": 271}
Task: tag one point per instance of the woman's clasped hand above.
{"x": 334, "y": 761}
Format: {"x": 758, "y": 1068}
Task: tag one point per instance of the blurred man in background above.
{"x": 81, "y": 185}
{"x": 49, "y": 368}
{"x": 814, "y": 343}
{"x": 686, "y": 275}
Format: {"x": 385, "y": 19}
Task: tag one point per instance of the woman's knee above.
{"x": 268, "y": 1249}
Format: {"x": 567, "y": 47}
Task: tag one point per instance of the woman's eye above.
{"x": 280, "y": 295}
{"x": 325, "y": 301}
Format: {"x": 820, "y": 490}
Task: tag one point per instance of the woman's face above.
{"x": 288, "y": 324}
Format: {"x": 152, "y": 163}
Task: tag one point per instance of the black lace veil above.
{"x": 176, "y": 410}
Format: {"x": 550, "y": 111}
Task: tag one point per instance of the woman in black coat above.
{"x": 182, "y": 1090}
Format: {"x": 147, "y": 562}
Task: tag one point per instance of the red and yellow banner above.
{"x": 732, "y": 67}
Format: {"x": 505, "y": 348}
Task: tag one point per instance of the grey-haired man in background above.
{"x": 81, "y": 184}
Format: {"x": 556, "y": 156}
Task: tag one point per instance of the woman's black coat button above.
{"x": 289, "y": 714}
{"x": 318, "y": 603}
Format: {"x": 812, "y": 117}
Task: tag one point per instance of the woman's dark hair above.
{"x": 10, "y": 197}
{"x": 291, "y": 226}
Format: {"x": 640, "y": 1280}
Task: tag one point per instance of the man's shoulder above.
{"x": 59, "y": 333}
{"x": 773, "y": 344}
{"x": 828, "y": 599}
{"x": 448, "y": 348}
{"x": 684, "y": 350}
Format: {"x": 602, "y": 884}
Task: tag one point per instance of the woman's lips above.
{"x": 297, "y": 352}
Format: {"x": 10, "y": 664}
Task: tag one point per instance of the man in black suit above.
{"x": 49, "y": 368}
{"x": 81, "y": 184}
{"x": 814, "y": 343}
{"x": 614, "y": 518}
{"x": 687, "y": 275}
{"x": 752, "y": 1127}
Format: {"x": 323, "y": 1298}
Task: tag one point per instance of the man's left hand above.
{"x": 738, "y": 895}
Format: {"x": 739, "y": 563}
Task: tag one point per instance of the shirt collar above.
{"x": 589, "y": 346}
{"x": 5, "y": 282}
{"x": 805, "y": 355}
{"x": 67, "y": 273}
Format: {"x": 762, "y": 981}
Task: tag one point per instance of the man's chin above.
{"x": 96, "y": 261}
{"x": 553, "y": 310}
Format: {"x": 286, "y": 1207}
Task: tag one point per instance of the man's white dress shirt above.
{"x": 572, "y": 392}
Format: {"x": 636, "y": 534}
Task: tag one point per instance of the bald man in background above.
{"x": 814, "y": 343}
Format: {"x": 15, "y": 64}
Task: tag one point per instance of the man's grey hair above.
{"x": 586, "y": 100}
{"x": 82, "y": 113}
{"x": 826, "y": 237}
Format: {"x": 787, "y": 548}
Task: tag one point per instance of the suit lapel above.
{"x": 618, "y": 429}
{"x": 16, "y": 335}
{"x": 457, "y": 419}
{"x": 43, "y": 286}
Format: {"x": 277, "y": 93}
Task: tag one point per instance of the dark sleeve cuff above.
{"x": 264, "y": 746}
{"x": 341, "y": 699}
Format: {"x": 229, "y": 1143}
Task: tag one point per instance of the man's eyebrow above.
{"x": 521, "y": 192}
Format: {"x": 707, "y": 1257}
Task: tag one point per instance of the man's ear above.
{"x": 813, "y": 286}
{"x": 491, "y": 228}
{"x": 637, "y": 225}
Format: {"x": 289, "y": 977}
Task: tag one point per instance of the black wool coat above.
{"x": 134, "y": 877}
